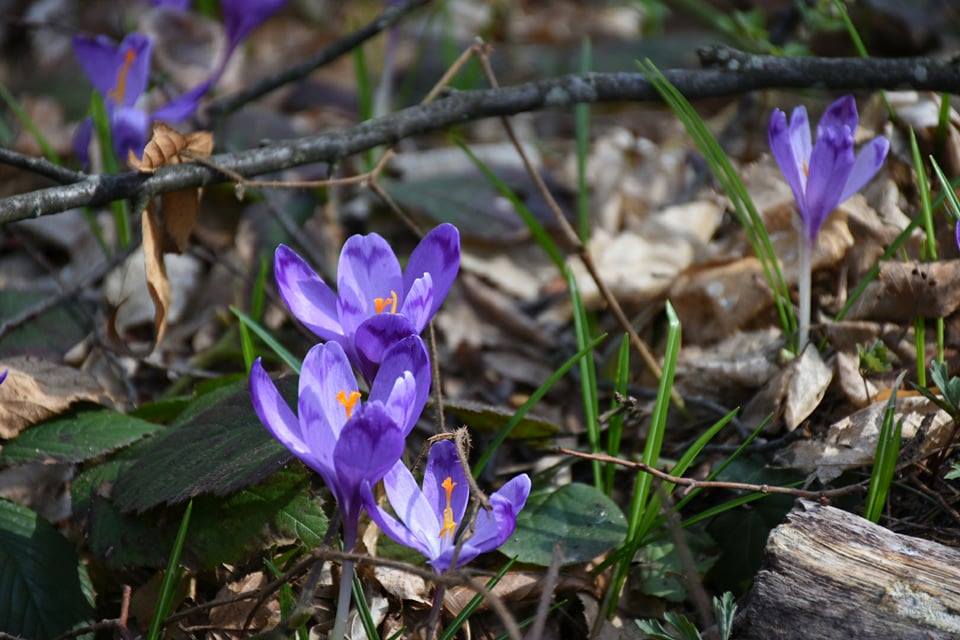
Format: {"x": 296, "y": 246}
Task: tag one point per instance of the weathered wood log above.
{"x": 830, "y": 574}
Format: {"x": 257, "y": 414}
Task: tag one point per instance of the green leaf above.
{"x": 661, "y": 572}
{"x": 217, "y": 451}
{"x": 488, "y": 419}
{"x": 44, "y": 590}
{"x": 954, "y": 472}
{"x": 50, "y": 334}
{"x": 76, "y": 437}
{"x": 579, "y": 517}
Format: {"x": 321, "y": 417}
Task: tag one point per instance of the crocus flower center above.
{"x": 121, "y": 87}
{"x": 380, "y": 304}
{"x": 349, "y": 401}
{"x": 449, "y": 525}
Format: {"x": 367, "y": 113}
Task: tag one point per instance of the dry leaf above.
{"x": 36, "y": 390}
{"x": 858, "y": 390}
{"x": 852, "y": 441}
{"x": 515, "y": 587}
{"x": 403, "y": 585}
{"x": 167, "y": 146}
{"x": 234, "y": 614}
{"x": 904, "y": 290}
{"x": 745, "y": 360}
{"x": 793, "y": 393}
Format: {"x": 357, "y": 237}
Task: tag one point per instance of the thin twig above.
{"x": 40, "y": 166}
{"x": 694, "y": 585}
{"x": 549, "y": 584}
{"x": 437, "y": 390}
{"x": 391, "y": 15}
{"x": 751, "y": 73}
{"x": 712, "y": 484}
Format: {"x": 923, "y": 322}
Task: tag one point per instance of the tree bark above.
{"x": 830, "y": 574}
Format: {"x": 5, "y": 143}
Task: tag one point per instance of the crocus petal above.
{"x": 326, "y": 376}
{"x": 400, "y": 403}
{"x": 412, "y": 507}
{"x": 418, "y": 302}
{"x": 81, "y": 141}
{"x": 97, "y": 57}
{"x": 830, "y": 165}
{"x": 129, "y": 128}
{"x": 439, "y": 255}
{"x": 132, "y": 68}
{"x": 786, "y": 156}
{"x": 368, "y": 269}
{"x": 839, "y": 115}
{"x": 178, "y": 5}
{"x": 800, "y": 136}
{"x": 305, "y": 293}
{"x": 369, "y": 445}
{"x": 493, "y": 527}
{"x": 409, "y": 354}
{"x": 868, "y": 162}
{"x": 274, "y": 413}
{"x": 241, "y": 17}
{"x": 442, "y": 463}
{"x": 389, "y": 525}
{"x": 3, "y": 375}
{"x": 374, "y": 337}
{"x": 184, "y": 105}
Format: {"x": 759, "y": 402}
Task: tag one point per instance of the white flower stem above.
{"x": 346, "y": 590}
{"x": 804, "y": 285}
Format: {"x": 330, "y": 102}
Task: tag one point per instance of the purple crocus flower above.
{"x": 3, "y": 375}
{"x": 376, "y": 303}
{"x": 345, "y": 440}
{"x": 430, "y": 517}
{"x": 824, "y": 174}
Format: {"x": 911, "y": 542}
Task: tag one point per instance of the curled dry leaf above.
{"x": 403, "y": 585}
{"x": 167, "y": 146}
{"x": 858, "y": 390}
{"x": 745, "y": 360}
{"x": 794, "y": 392}
{"x": 514, "y": 587}
{"x": 234, "y": 614}
{"x": 36, "y": 390}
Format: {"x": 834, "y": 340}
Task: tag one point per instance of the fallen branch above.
{"x": 742, "y": 73}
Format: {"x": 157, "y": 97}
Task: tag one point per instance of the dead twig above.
{"x": 549, "y": 584}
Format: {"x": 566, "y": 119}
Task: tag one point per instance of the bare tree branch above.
{"x": 741, "y": 73}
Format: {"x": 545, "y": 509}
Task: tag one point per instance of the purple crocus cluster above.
{"x": 121, "y": 72}
{"x": 372, "y": 323}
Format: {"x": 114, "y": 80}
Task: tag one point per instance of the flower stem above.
{"x": 346, "y": 589}
{"x": 804, "y": 276}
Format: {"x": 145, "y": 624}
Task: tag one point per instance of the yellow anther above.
{"x": 121, "y": 88}
{"x": 806, "y": 169}
{"x": 449, "y": 525}
{"x": 349, "y": 401}
{"x": 380, "y": 304}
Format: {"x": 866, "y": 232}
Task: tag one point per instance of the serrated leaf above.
{"x": 489, "y": 419}
{"x": 76, "y": 437}
{"x": 584, "y": 521}
{"x": 218, "y": 451}
{"x": 44, "y": 590}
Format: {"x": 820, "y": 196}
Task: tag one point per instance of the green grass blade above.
{"x": 364, "y": 96}
{"x": 920, "y": 346}
{"x": 286, "y": 598}
{"x": 615, "y": 428}
{"x": 943, "y": 121}
{"x": 534, "y": 398}
{"x": 27, "y": 122}
{"x": 926, "y": 210}
{"x": 363, "y": 610}
{"x": 588, "y": 375}
{"x": 885, "y": 458}
{"x": 537, "y": 230}
{"x": 268, "y": 339}
{"x": 582, "y": 130}
{"x": 101, "y": 124}
{"x": 860, "y": 47}
{"x": 733, "y": 503}
{"x": 451, "y": 631}
{"x": 171, "y": 577}
{"x": 639, "y": 502}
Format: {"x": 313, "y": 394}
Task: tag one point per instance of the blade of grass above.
{"x": 615, "y": 428}
{"x": 14, "y": 105}
{"x": 361, "y": 73}
{"x": 733, "y": 503}
{"x": 949, "y": 196}
{"x": 101, "y": 124}
{"x": 582, "y": 130}
{"x": 268, "y": 339}
{"x": 724, "y": 172}
{"x": 534, "y": 398}
{"x": 588, "y": 375}
{"x": 651, "y": 455}
{"x": 930, "y": 244}
{"x": 537, "y": 230}
{"x": 860, "y": 47}
{"x": 256, "y": 311}
{"x": 363, "y": 610}
{"x": 454, "y": 627}
{"x": 920, "y": 345}
{"x": 285, "y": 597}
{"x": 943, "y": 120}
{"x": 885, "y": 458}
{"x": 171, "y": 577}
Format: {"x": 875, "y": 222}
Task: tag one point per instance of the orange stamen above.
{"x": 349, "y": 401}
{"x": 449, "y": 525}
{"x": 121, "y": 89}
{"x": 380, "y": 304}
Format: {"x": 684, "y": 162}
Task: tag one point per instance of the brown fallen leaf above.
{"x": 793, "y": 393}
{"x": 36, "y": 390}
{"x": 166, "y": 147}
{"x": 515, "y": 587}
{"x": 904, "y": 290}
{"x": 233, "y": 615}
